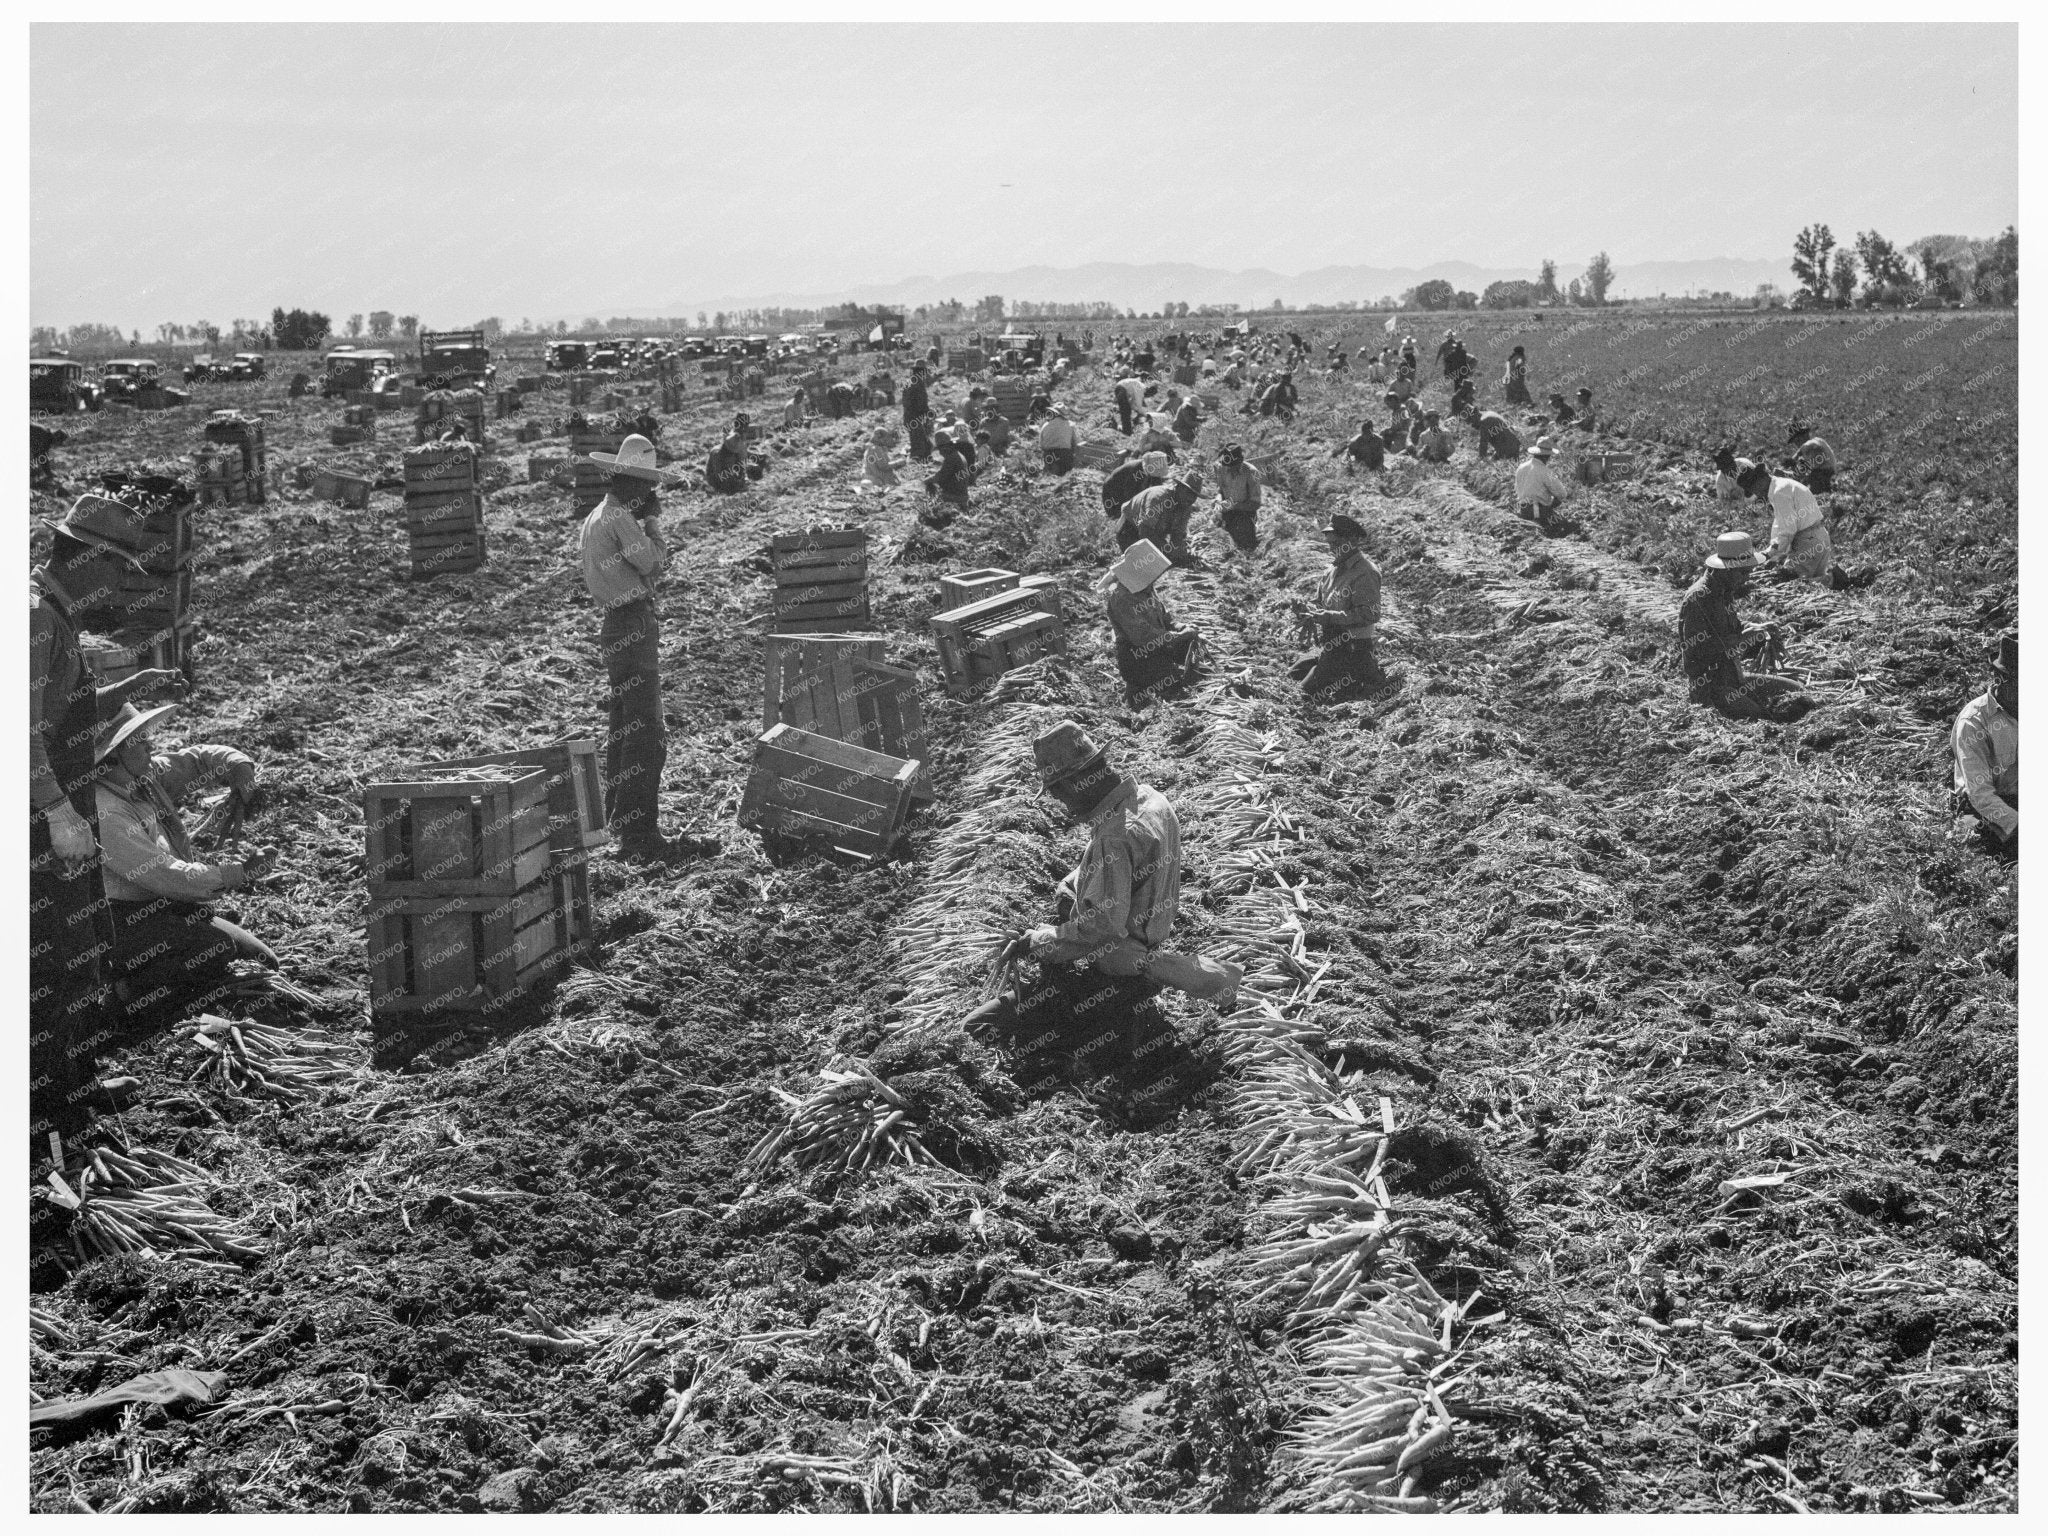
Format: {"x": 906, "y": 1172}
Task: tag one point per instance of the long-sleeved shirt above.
{"x": 621, "y": 556}
{"x": 793, "y": 413}
{"x": 1987, "y": 747}
{"x": 1709, "y": 639}
{"x": 1159, "y": 513}
{"x": 1815, "y": 453}
{"x": 916, "y": 403}
{"x": 1350, "y": 589}
{"x": 1135, "y": 389}
{"x": 54, "y": 671}
{"x": 1794, "y": 509}
{"x": 1058, "y": 432}
{"x": 1239, "y": 485}
{"x": 1139, "y": 618}
{"x": 1536, "y": 483}
{"x": 1497, "y": 437}
{"x": 1366, "y": 448}
{"x": 1127, "y": 885}
{"x": 147, "y": 851}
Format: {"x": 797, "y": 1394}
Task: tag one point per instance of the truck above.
{"x": 349, "y": 369}
{"x": 60, "y": 384}
{"x": 126, "y": 377}
{"x": 568, "y": 356}
{"x": 455, "y": 360}
{"x": 248, "y": 366}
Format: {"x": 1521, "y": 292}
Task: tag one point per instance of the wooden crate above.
{"x": 155, "y": 600}
{"x": 451, "y": 554}
{"x": 807, "y": 785}
{"x": 1095, "y": 455}
{"x": 966, "y": 360}
{"x": 589, "y": 481}
{"x": 576, "y": 819}
{"x": 440, "y": 466}
{"x": 129, "y": 650}
{"x": 1012, "y": 398}
{"x": 971, "y": 586}
{"x": 1598, "y": 468}
{"x": 464, "y": 953}
{"x": 1046, "y": 589}
{"x": 544, "y": 466}
{"x": 169, "y": 530}
{"x": 964, "y": 661}
{"x": 821, "y": 579}
{"x": 837, "y": 685}
{"x": 482, "y": 834}
{"x": 341, "y": 486}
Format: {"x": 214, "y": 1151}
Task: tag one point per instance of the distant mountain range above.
{"x": 1148, "y": 287}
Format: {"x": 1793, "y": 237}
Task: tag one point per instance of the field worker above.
{"x": 875, "y": 467}
{"x": 1187, "y": 419}
{"x": 1986, "y": 740}
{"x": 794, "y": 413}
{"x": 1514, "y": 379}
{"x": 1432, "y": 443}
{"x": 1278, "y": 398}
{"x": 1240, "y": 492}
{"x": 1137, "y": 473}
{"x": 1800, "y": 545}
{"x": 169, "y": 942}
{"x": 623, "y": 554}
{"x": 840, "y": 400}
{"x": 1161, "y": 515}
{"x": 1057, "y": 440}
{"x": 917, "y": 412}
{"x": 1537, "y": 487}
{"x": 96, "y": 545}
{"x": 883, "y": 385}
{"x": 1712, "y": 640}
{"x": 1402, "y": 385}
{"x": 1117, "y": 909}
{"x": 1464, "y": 394}
{"x": 1156, "y": 435}
{"x": 948, "y": 484}
{"x": 1813, "y": 461}
{"x": 1584, "y": 413}
{"x": 1445, "y": 350}
{"x": 1376, "y": 370}
{"x": 1130, "y": 400}
{"x": 1366, "y": 449}
{"x": 1561, "y": 412}
{"x": 725, "y": 467}
{"x": 1346, "y": 613}
{"x": 984, "y": 453}
{"x": 1209, "y": 367}
{"x": 1728, "y": 473}
{"x": 1496, "y": 438}
{"x": 1151, "y": 655}
{"x": 997, "y": 426}
{"x": 1233, "y": 376}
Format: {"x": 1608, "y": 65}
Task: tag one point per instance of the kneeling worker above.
{"x": 1712, "y": 640}
{"x": 1151, "y": 654}
{"x": 168, "y": 940}
{"x": 1057, "y": 440}
{"x": 1347, "y": 611}
{"x": 1986, "y": 741}
{"x": 1160, "y": 513}
{"x": 1537, "y": 488}
{"x": 1118, "y": 906}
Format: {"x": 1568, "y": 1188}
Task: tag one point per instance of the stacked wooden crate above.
{"x": 440, "y": 409}
{"x": 444, "y": 509}
{"x": 964, "y": 587}
{"x": 154, "y": 627}
{"x": 966, "y": 360}
{"x": 232, "y": 464}
{"x": 838, "y": 686}
{"x": 589, "y": 480}
{"x": 821, "y": 580}
{"x": 468, "y": 906}
{"x": 810, "y": 786}
{"x": 1012, "y": 394}
{"x": 993, "y": 635}
{"x": 358, "y": 425}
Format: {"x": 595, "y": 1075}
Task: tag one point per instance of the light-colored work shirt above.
{"x": 1058, "y": 432}
{"x": 1987, "y": 748}
{"x": 1349, "y": 595}
{"x": 1239, "y": 485}
{"x": 622, "y": 557}
{"x": 147, "y": 852}
{"x": 1536, "y": 483}
{"x": 1794, "y": 509}
{"x": 1127, "y": 885}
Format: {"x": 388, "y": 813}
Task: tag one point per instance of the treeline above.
{"x": 1872, "y": 273}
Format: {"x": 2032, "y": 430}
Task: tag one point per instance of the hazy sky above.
{"x": 459, "y": 171}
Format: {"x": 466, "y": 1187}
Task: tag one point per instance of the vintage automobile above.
{"x": 755, "y": 346}
{"x": 60, "y": 384}
{"x": 606, "y": 354}
{"x": 203, "y": 369}
{"x": 126, "y": 377}
{"x": 456, "y": 360}
{"x": 248, "y": 365}
{"x": 348, "y": 369}
{"x": 568, "y": 356}
{"x": 696, "y": 346}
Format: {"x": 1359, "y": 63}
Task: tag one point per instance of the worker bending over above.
{"x": 1152, "y": 656}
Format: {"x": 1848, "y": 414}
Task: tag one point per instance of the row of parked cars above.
{"x": 65, "y": 385}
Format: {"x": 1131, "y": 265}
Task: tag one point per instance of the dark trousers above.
{"x": 1127, "y": 535}
{"x": 1341, "y": 661}
{"x": 636, "y": 743}
{"x": 1124, "y": 409}
{"x": 1163, "y": 664}
{"x": 1759, "y": 696}
{"x": 920, "y": 438}
{"x": 1059, "y": 461}
{"x": 165, "y": 951}
{"x": 70, "y": 939}
{"x": 1242, "y": 524}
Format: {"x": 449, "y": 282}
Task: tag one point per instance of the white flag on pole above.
{"x": 1390, "y": 325}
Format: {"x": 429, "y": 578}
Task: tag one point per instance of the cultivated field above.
{"x": 1697, "y": 1039}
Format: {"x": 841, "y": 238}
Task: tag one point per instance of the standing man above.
{"x": 917, "y": 412}
{"x": 1537, "y": 488}
{"x": 71, "y": 936}
{"x": 1986, "y": 742}
{"x": 623, "y": 555}
{"x": 1130, "y": 400}
{"x": 1712, "y": 640}
{"x": 1240, "y": 491}
{"x": 1346, "y": 611}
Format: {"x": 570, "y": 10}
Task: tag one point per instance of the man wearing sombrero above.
{"x": 623, "y": 555}
{"x": 1712, "y": 640}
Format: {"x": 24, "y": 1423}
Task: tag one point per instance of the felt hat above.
{"x": 125, "y": 722}
{"x": 1059, "y": 410}
{"x": 1139, "y": 566}
{"x": 1544, "y": 447}
{"x": 1233, "y": 453}
{"x": 1584, "y": 393}
{"x": 1154, "y": 464}
{"x": 1734, "y": 551}
{"x": 1065, "y": 752}
{"x": 1345, "y": 527}
{"x": 2006, "y": 663}
{"x": 104, "y": 523}
{"x": 635, "y": 458}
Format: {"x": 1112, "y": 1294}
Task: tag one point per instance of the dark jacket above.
{"x": 1124, "y": 482}
{"x": 915, "y": 402}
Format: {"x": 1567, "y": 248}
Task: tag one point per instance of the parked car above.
{"x": 248, "y": 365}
{"x": 125, "y": 377}
{"x": 203, "y": 369}
{"x": 348, "y": 369}
{"x": 60, "y": 384}
{"x": 696, "y": 346}
{"x": 606, "y": 355}
{"x": 568, "y": 356}
{"x": 456, "y": 359}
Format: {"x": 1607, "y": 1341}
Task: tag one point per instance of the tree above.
{"x": 1996, "y": 279}
{"x": 1887, "y": 278}
{"x": 1546, "y": 282}
{"x": 299, "y": 330}
{"x": 592, "y": 323}
{"x": 1465, "y": 300}
{"x": 1810, "y": 248}
{"x": 702, "y": 321}
{"x": 208, "y": 332}
{"x": 1768, "y": 297}
{"x": 1572, "y": 292}
{"x": 1599, "y": 278}
{"x": 167, "y": 332}
{"x": 990, "y": 307}
{"x": 355, "y": 325}
{"x": 1434, "y": 294}
{"x": 491, "y": 326}
{"x": 380, "y": 324}
{"x": 408, "y": 326}
{"x": 1516, "y": 293}
{"x": 1842, "y": 277}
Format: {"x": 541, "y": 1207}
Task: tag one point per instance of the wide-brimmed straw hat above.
{"x": 125, "y": 722}
{"x": 635, "y": 458}
{"x": 1734, "y": 551}
{"x": 104, "y": 523}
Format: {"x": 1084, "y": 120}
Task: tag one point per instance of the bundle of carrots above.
{"x": 245, "y": 1060}
{"x": 141, "y": 1201}
{"x": 851, "y": 1120}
